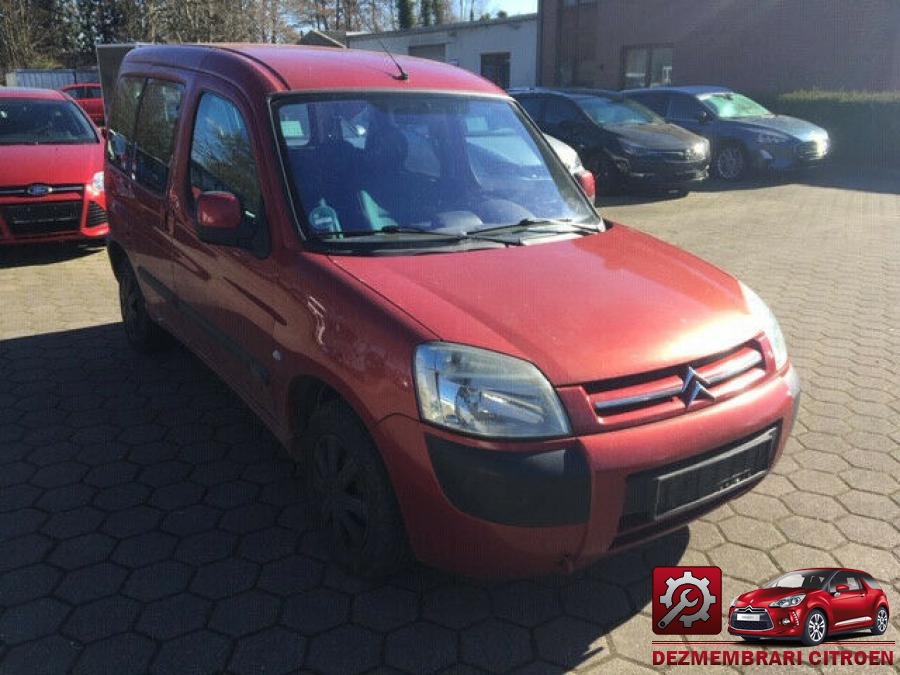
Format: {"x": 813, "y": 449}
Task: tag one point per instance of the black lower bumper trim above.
{"x": 531, "y": 489}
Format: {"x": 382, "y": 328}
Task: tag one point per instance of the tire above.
{"x": 731, "y": 162}
{"x": 881, "y": 621}
{"x": 352, "y": 494}
{"x": 142, "y": 332}
{"x": 815, "y": 629}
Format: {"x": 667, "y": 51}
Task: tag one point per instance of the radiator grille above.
{"x": 42, "y": 217}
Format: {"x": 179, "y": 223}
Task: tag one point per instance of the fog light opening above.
{"x": 785, "y": 621}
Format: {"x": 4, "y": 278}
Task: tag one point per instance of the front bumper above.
{"x": 785, "y": 156}
{"x": 773, "y": 622}
{"x": 661, "y": 172}
{"x": 524, "y": 509}
{"x": 68, "y": 213}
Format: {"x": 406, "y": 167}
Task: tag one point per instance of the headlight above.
{"x": 700, "y": 149}
{"x": 485, "y": 393}
{"x": 735, "y": 600}
{"x": 771, "y": 138}
{"x": 97, "y": 182}
{"x": 633, "y": 148}
{"x": 790, "y": 601}
{"x": 768, "y": 323}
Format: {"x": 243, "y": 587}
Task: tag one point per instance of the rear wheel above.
{"x": 815, "y": 629}
{"x": 730, "y": 162}
{"x": 142, "y": 332}
{"x": 353, "y": 494}
{"x": 881, "y": 621}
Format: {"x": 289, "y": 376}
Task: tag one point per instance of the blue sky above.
{"x": 512, "y": 6}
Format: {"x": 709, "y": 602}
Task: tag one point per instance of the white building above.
{"x": 502, "y": 50}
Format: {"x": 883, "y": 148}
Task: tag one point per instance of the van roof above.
{"x": 303, "y": 68}
{"x": 32, "y": 93}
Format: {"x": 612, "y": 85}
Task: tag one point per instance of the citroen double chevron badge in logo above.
{"x": 694, "y": 386}
{"x": 38, "y": 190}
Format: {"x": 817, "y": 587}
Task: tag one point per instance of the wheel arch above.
{"x": 117, "y": 257}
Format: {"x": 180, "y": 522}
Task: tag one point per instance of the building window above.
{"x": 433, "y": 52}
{"x": 495, "y": 67}
{"x": 646, "y": 67}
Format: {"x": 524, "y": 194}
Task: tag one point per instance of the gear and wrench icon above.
{"x": 688, "y": 579}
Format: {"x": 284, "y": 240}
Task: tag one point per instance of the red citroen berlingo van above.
{"x": 388, "y": 263}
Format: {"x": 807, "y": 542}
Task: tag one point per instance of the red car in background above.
{"x": 89, "y": 95}
{"x": 51, "y": 169}
{"x": 810, "y": 604}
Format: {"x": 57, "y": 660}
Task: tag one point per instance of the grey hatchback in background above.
{"x": 743, "y": 134}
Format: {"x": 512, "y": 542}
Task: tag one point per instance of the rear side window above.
{"x": 685, "y": 108}
{"x": 120, "y": 132}
{"x": 155, "y": 133}
{"x": 222, "y": 157}
{"x": 870, "y": 582}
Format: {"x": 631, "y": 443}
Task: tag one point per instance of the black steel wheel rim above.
{"x": 342, "y": 493}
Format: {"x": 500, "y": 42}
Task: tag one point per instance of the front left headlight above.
{"x": 97, "y": 182}
{"x": 768, "y": 323}
{"x": 790, "y": 601}
{"x": 485, "y": 393}
{"x": 700, "y": 148}
{"x": 771, "y": 138}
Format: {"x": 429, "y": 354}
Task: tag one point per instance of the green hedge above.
{"x": 864, "y": 126}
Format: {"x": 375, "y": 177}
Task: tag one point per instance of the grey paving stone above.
{"x": 144, "y": 549}
{"x": 223, "y": 578}
{"x": 207, "y": 547}
{"x": 193, "y": 654}
{"x": 125, "y": 653}
{"x": 421, "y": 647}
{"x": 347, "y": 649}
{"x": 315, "y": 611}
{"x": 32, "y": 620}
{"x": 244, "y": 613}
{"x": 91, "y": 582}
{"x": 496, "y": 646}
{"x": 274, "y": 651}
{"x": 384, "y": 609}
{"x": 27, "y": 583}
{"x": 158, "y": 580}
{"x": 48, "y": 656}
{"x": 291, "y": 575}
{"x": 174, "y": 616}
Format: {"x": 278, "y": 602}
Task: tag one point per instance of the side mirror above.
{"x": 219, "y": 218}
{"x": 842, "y": 588}
{"x": 703, "y": 117}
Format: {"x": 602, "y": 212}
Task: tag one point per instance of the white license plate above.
{"x": 748, "y": 617}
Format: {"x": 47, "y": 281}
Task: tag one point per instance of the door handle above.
{"x": 862, "y": 595}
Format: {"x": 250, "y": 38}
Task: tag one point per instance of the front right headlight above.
{"x": 486, "y": 393}
{"x": 768, "y": 323}
{"x": 790, "y": 601}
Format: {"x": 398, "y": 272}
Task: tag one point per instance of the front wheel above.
{"x": 730, "y": 162}
{"x": 881, "y": 621}
{"x": 353, "y": 494}
{"x": 606, "y": 177}
{"x": 142, "y": 332}
{"x": 815, "y": 629}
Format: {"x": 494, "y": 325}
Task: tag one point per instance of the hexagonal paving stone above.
{"x": 812, "y": 506}
{"x": 819, "y": 482}
{"x": 225, "y": 577}
{"x": 121, "y": 497}
{"x": 525, "y": 603}
{"x": 49, "y": 655}
{"x": 158, "y": 580}
{"x": 871, "y": 505}
{"x": 57, "y": 475}
{"x": 66, "y": 497}
{"x": 745, "y": 563}
{"x": 202, "y": 549}
{"x": 92, "y": 582}
{"x": 80, "y": 551}
{"x": 750, "y": 532}
{"x": 101, "y": 618}
{"x": 26, "y": 583}
{"x": 110, "y": 475}
{"x": 811, "y": 532}
{"x": 271, "y": 652}
{"x": 496, "y": 646}
{"x": 421, "y": 647}
{"x": 271, "y": 543}
{"x": 177, "y": 495}
{"x": 23, "y": 521}
{"x": 329, "y": 651}
{"x": 601, "y": 603}
{"x": 30, "y": 621}
{"x": 315, "y": 611}
{"x": 250, "y": 518}
{"x": 877, "y": 533}
{"x": 571, "y": 642}
{"x": 73, "y": 523}
{"x": 144, "y": 549}
{"x": 193, "y": 654}
{"x": 174, "y": 616}
{"x": 793, "y": 556}
{"x": 190, "y": 520}
{"x": 385, "y": 608}
{"x": 456, "y": 606}
{"x": 291, "y": 575}
{"x": 244, "y": 613}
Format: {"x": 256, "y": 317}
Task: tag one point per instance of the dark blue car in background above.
{"x": 743, "y": 134}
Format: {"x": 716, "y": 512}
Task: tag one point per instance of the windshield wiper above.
{"x": 410, "y": 229}
{"x": 530, "y": 223}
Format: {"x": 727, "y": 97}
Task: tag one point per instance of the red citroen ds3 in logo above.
{"x": 811, "y": 604}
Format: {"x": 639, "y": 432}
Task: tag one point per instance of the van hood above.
{"x": 50, "y": 164}
{"x": 594, "y": 307}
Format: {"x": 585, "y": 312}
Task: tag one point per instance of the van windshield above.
{"x": 43, "y": 122}
{"x": 369, "y": 164}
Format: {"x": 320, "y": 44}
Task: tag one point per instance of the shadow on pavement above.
{"x": 26, "y": 255}
{"x": 149, "y": 523}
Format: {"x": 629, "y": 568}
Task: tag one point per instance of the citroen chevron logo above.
{"x": 694, "y": 385}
